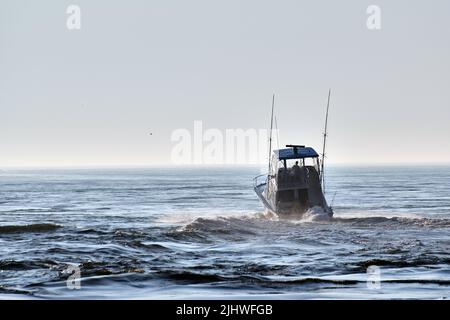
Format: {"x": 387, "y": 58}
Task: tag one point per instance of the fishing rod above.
{"x": 278, "y": 133}
{"x": 270, "y": 135}
{"x": 325, "y": 134}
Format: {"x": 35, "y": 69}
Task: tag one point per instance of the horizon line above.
{"x": 239, "y": 165}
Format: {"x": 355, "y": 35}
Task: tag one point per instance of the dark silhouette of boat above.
{"x": 293, "y": 185}
{"x": 295, "y": 180}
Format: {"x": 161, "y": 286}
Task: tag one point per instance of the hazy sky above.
{"x": 91, "y": 96}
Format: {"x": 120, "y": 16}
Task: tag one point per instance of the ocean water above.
{"x": 183, "y": 233}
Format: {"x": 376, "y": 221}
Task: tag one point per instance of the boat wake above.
{"x": 315, "y": 214}
{"x": 241, "y": 226}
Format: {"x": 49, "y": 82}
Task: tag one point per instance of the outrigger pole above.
{"x": 325, "y": 134}
{"x": 270, "y": 135}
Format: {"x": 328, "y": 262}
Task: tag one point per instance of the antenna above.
{"x": 325, "y": 134}
{"x": 270, "y": 135}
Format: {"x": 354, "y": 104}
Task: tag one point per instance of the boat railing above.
{"x": 260, "y": 180}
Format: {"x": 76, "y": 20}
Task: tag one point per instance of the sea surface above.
{"x": 195, "y": 233}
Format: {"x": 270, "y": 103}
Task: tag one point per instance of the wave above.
{"x": 252, "y": 223}
{"x": 401, "y": 263}
{"x": 102, "y": 268}
{"x": 399, "y": 221}
{"x": 13, "y": 291}
{"x": 233, "y": 227}
{"x": 313, "y": 214}
{"x": 190, "y": 277}
{"x": 234, "y": 281}
{"x": 211, "y": 229}
{"x": 18, "y": 265}
{"x": 29, "y": 228}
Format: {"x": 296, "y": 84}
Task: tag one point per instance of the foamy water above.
{"x": 201, "y": 233}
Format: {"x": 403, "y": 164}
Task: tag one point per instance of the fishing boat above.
{"x": 295, "y": 181}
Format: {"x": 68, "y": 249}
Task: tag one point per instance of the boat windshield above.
{"x": 300, "y": 162}
{"x": 295, "y": 164}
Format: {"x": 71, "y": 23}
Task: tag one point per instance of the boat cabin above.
{"x": 293, "y": 183}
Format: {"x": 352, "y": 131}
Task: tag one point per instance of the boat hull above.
{"x": 295, "y": 211}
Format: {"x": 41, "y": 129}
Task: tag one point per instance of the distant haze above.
{"x": 113, "y": 92}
